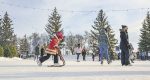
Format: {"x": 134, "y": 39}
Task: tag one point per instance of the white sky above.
{"x": 29, "y": 20}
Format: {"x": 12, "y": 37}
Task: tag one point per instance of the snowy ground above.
{"x": 18, "y": 69}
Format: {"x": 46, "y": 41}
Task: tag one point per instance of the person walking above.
{"x": 124, "y": 46}
{"x": 78, "y": 51}
{"x": 84, "y": 54}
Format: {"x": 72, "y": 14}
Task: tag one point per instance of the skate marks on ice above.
{"x": 74, "y": 74}
{"x": 28, "y": 70}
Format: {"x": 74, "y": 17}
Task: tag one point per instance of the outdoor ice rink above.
{"x": 27, "y": 69}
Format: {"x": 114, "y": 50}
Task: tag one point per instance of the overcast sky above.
{"x": 32, "y": 15}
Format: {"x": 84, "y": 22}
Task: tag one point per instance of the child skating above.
{"x": 53, "y": 49}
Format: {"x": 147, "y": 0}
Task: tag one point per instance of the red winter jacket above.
{"x": 53, "y": 44}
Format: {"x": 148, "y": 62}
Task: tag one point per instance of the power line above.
{"x": 73, "y": 11}
{"x": 21, "y": 6}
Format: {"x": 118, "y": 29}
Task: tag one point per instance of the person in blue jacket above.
{"x": 104, "y": 45}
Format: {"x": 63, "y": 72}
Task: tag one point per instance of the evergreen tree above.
{"x": 7, "y": 37}
{"x": 53, "y": 26}
{"x": 1, "y": 32}
{"x": 0, "y": 20}
{"x": 7, "y": 30}
{"x": 13, "y": 46}
{"x": 7, "y": 52}
{"x": 1, "y": 51}
{"x": 14, "y": 40}
{"x": 102, "y": 23}
{"x": 112, "y": 42}
{"x": 13, "y": 51}
{"x": 144, "y": 43}
{"x": 54, "y": 23}
{"x": 24, "y": 46}
{"x": 99, "y": 23}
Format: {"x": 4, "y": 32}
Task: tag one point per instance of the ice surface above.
{"x": 27, "y": 69}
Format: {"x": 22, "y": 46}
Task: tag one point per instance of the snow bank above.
{"x": 16, "y": 58}
{"x": 4, "y": 59}
{"x": 9, "y": 59}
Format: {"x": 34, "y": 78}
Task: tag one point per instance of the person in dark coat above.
{"x": 84, "y": 53}
{"x": 37, "y": 52}
{"x": 124, "y": 46}
{"x": 42, "y": 51}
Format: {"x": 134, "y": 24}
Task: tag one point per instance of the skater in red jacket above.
{"x": 53, "y": 48}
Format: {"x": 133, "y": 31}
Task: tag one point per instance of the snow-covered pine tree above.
{"x": 144, "y": 43}
{"x": 7, "y": 30}
{"x": 99, "y": 23}
{"x": 54, "y": 23}
{"x": 112, "y": 41}
{"x": 24, "y": 46}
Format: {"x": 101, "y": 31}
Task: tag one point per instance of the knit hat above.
{"x": 60, "y": 35}
{"x": 123, "y": 26}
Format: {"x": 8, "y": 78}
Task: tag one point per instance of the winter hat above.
{"x": 60, "y": 35}
{"x": 123, "y": 26}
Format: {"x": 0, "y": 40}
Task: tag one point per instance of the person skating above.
{"x": 84, "y": 54}
{"x": 104, "y": 46}
{"x": 131, "y": 54}
{"x": 78, "y": 51}
{"x": 42, "y": 51}
{"x": 53, "y": 48}
{"x": 93, "y": 54}
{"x": 37, "y": 52}
{"x": 124, "y": 46}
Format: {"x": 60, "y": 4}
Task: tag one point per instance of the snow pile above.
{"x": 16, "y": 58}
{"x": 9, "y": 59}
{"x": 4, "y": 59}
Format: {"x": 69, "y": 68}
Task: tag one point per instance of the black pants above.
{"x": 84, "y": 55}
{"x": 44, "y": 58}
{"x": 78, "y": 54}
{"x": 93, "y": 57}
{"x": 125, "y": 57}
{"x": 41, "y": 55}
{"x": 55, "y": 59}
